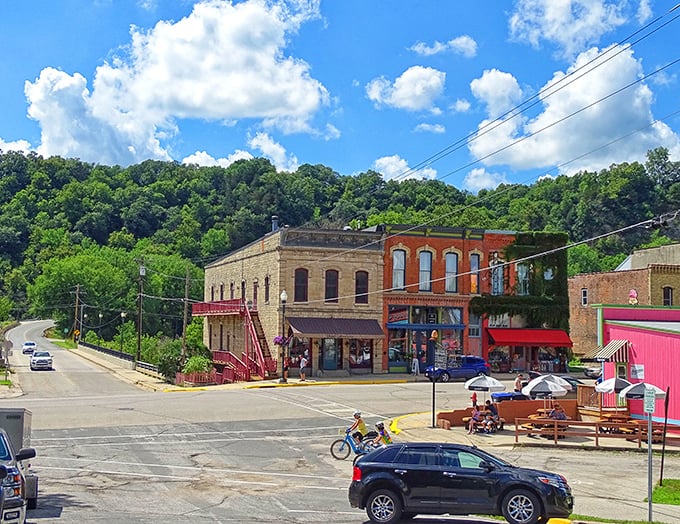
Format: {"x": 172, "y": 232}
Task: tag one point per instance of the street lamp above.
{"x": 284, "y": 371}
{"x": 123, "y": 314}
{"x": 99, "y": 331}
{"x": 82, "y": 334}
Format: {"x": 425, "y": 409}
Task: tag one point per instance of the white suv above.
{"x": 29, "y": 347}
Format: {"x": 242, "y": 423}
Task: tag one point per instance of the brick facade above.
{"x": 613, "y": 288}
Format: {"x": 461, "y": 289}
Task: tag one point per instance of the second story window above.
{"x": 231, "y": 291}
{"x": 425, "y": 278}
{"x": 475, "y": 326}
{"x": 584, "y": 296}
{"x": 497, "y": 281}
{"x": 522, "y": 279}
{"x": 361, "y": 287}
{"x": 301, "y": 285}
{"x": 266, "y": 289}
{"x": 212, "y": 293}
{"x": 667, "y": 296}
{"x": 331, "y": 286}
{"x": 399, "y": 269}
{"x": 474, "y": 273}
{"x": 451, "y": 273}
{"x": 222, "y": 291}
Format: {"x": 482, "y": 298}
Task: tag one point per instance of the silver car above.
{"x": 41, "y": 360}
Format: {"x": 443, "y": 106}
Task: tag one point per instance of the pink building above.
{"x": 641, "y": 344}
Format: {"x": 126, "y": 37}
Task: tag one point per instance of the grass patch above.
{"x": 669, "y": 493}
{"x": 7, "y": 383}
{"x": 66, "y": 344}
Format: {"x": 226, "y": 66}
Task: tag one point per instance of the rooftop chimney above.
{"x": 275, "y": 223}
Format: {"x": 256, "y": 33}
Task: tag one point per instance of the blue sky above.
{"x": 410, "y": 88}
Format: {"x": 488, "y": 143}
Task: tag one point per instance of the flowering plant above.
{"x": 279, "y": 340}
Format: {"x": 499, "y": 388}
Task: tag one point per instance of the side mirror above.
{"x": 25, "y": 454}
{"x": 486, "y": 466}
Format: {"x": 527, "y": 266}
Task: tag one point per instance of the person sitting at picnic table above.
{"x": 489, "y": 424}
{"x": 475, "y": 420}
{"x": 558, "y": 413}
{"x": 491, "y": 408}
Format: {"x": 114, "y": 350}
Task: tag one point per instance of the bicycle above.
{"x": 342, "y": 447}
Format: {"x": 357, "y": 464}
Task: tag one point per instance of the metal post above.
{"x": 284, "y": 299}
{"x": 142, "y": 272}
{"x": 123, "y": 314}
{"x": 99, "y": 330}
{"x": 649, "y": 465}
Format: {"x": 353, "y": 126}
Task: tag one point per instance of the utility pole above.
{"x": 186, "y": 317}
{"x": 75, "y": 317}
{"x": 142, "y": 272}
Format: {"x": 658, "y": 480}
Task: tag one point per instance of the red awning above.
{"x": 554, "y": 338}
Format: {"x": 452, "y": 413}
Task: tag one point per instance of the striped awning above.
{"x": 614, "y": 351}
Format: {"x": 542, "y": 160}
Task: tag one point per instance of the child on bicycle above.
{"x": 359, "y": 427}
{"x": 383, "y": 437}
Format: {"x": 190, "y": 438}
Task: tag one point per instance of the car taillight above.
{"x": 356, "y": 473}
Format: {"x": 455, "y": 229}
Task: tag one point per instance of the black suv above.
{"x": 403, "y": 480}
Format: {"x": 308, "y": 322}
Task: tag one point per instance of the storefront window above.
{"x": 360, "y": 353}
{"x": 297, "y": 348}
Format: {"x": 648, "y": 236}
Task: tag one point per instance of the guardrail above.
{"x": 143, "y": 367}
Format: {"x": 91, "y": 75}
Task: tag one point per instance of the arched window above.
{"x": 452, "y": 273}
{"x": 398, "y": 269}
{"x": 667, "y": 296}
{"x": 425, "y": 278}
{"x": 475, "y": 260}
{"x": 212, "y": 293}
{"x": 331, "y": 286}
{"x": 301, "y": 285}
{"x": 361, "y": 287}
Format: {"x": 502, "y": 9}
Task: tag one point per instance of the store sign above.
{"x": 637, "y": 371}
{"x": 398, "y": 315}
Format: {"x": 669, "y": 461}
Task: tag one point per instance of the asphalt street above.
{"x": 607, "y": 484}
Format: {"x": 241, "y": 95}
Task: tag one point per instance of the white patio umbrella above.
{"x": 541, "y": 388}
{"x": 556, "y": 379}
{"x": 612, "y": 385}
{"x": 637, "y": 391}
{"x": 484, "y": 383}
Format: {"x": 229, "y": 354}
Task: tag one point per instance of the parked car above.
{"x": 464, "y": 367}
{"x": 13, "y": 485}
{"x": 406, "y": 479}
{"x": 593, "y": 372}
{"x": 28, "y": 347}
{"x": 41, "y": 360}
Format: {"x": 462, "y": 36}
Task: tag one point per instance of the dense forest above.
{"x": 71, "y": 228}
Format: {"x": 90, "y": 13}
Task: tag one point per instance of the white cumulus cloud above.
{"x": 395, "y": 167}
{"x": 274, "y": 152}
{"x": 575, "y": 124}
{"x": 462, "y": 45}
{"x": 223, "y": 62}
{"x": 202, "y": 158}
{"x": 571, "y": 25}
{"x": 416, "y": 89}
{"x": 431, "y": 128}
{"x": 480, "y": 178}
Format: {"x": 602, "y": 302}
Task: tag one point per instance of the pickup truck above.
{"x": 20, "y": 486}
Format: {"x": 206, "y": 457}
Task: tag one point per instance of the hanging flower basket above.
{"x": 279, "y": 340}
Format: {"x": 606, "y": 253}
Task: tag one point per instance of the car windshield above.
{"x": 42, "y": 354}
{"x": 493, "y": 459}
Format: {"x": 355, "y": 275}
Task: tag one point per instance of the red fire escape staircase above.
{"x": 260, "y": 360}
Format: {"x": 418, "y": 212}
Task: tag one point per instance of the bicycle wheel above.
{"x": 340, "y": 449}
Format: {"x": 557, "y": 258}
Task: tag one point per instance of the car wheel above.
{"x": 383, "y": 507}
{"x": 340, "y": 449}
{"x": 444, "y": 377}
{"x": 521, "y": 507}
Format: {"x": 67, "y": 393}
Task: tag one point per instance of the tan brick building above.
{"x": 333, "y": 282}
{"x": 647, "y": 276}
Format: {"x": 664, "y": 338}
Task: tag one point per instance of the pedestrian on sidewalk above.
{"x": 518, "y": 383}
{"x": 303, "y": 368}
{"x": 415, "y": 364}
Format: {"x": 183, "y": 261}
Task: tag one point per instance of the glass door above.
{"x": 330, "y": 351}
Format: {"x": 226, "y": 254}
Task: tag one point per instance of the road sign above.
{"x": 76, "y": 333}
{"x": 650, "y": 400}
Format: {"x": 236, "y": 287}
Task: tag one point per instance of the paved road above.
{"x": 109, "y": 451}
